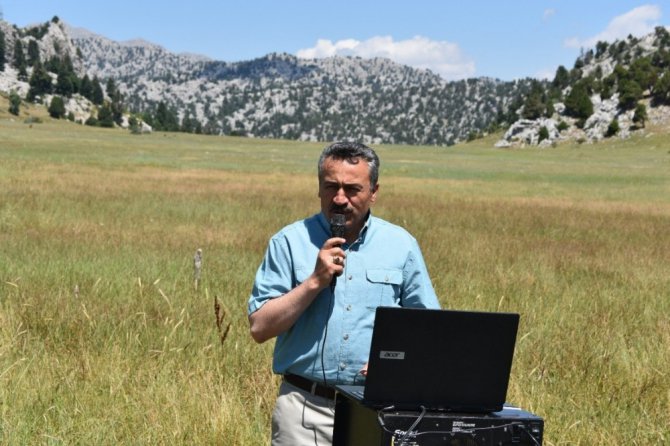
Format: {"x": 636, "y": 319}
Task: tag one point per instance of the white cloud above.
{"x": 638, "y": 22}
{"x": 443, "y": 58}
{"x": 548, "y": 13}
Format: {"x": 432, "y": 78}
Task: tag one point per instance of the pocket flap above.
{"x": 390, "y": 276}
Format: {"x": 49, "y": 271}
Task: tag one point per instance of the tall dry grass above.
{"x": 105, "y": 340}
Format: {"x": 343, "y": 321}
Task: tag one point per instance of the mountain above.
{"x": 613, "y": 90}
{"x": 281, "y": 96}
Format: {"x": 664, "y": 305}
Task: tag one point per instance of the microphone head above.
{"x": 337, "y": 225}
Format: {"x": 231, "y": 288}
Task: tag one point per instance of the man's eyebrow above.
{"x": 333, "y": 182}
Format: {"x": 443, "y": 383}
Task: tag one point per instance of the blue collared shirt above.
{"x": 384, "y": 267}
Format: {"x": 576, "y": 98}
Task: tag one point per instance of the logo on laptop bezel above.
{"x": 388, "y": 354}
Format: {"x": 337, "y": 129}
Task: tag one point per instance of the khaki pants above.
{"x": 302, "y": 419}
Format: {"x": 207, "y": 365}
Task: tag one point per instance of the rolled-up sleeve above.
{"x": 274, "y": 277}
{"x": 418, "y": 290}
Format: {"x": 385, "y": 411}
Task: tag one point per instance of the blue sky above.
{"x": 455, "y": 38}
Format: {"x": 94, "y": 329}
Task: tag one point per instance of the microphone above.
{"x": 337, "y": 228}
{"x": 337, "y": 222}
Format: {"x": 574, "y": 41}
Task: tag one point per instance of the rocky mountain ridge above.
{"x": 626, "y": 83}
{"x": 282, "y": 96}
{"x": 373, "y": 100}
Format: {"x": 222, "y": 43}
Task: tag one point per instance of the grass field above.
{"x": 105, "y": 339}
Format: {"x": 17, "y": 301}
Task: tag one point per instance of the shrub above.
{"x": 629, "y": 93}
{"x": 105, "y": 116}
{"x": 14, "y": 103}
{"x": 613, "y": 128}
{"x": 57, "y": 107}
{"x": 640, "y": 115}
{"x": 577, "y": 103}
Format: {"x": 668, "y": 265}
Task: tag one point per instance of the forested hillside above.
{"x": 612, "y": 90}
{"x": 278, "y": 95}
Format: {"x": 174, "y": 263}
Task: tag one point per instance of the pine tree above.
{"x": 662, "y": 36}
{"x": 110, "y": 87}
{"x": 33, "y": 53}
{"x": 661, "y": 93}
{"x": 19, "y": 57}
{"x": 601, "y": 49}
{"x": 14, "y": 103}
{"x": 643, "y": 72}
{"x": 533, "y": 107}
{"x": 165, "y": 119}
{"x": 64, "y": 85}
{"x": 19, "y": 60}
{"x": 86, "y": 88}
{"x": 40, "y": 83}
{"x": 97, "y": 96}
{"x": 187, "y": 124}
{"x": 117, "y": 107}
{"x": 57, "y": 107}
{"x": 578, "y": 104}
{"x": 116, "y": 98}
{"x": 3, "y": 59}
{"x": 629, "y": 93}
{"x": 640, "y": 115}
{"x": 613, "y": 128}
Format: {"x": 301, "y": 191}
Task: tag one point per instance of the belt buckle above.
{"x": 313, "y": 390}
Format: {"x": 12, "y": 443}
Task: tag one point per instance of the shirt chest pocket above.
{"x": 384, "y": 285}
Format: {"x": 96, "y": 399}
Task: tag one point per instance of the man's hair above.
{"x": 352, "y": 152}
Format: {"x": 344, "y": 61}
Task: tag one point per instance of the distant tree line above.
{"x": 423, "y": 110}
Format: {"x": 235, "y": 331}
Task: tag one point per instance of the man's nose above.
{"x": 340, "y": 197}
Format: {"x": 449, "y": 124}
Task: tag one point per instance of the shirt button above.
{"x": 386, "y": 279}
{"x": 350, "y": 277}
{"x": 348, "y": 307}
{"x": 346, "y": 337}
{"x": 342, "y": 366}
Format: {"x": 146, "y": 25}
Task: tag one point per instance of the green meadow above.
{"x": 107, "y": 338}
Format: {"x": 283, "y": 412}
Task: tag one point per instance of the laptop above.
{"x": 442, "y": 360}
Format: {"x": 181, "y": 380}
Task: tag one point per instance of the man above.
{"x": 317, "y": 293}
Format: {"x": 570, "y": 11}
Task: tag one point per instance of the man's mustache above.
{"x": 340, "y": 210}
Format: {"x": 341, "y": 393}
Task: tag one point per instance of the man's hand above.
{"x": 329, "y": 262}
{"x": 279, "y": 314}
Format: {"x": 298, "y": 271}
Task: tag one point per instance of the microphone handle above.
{"x": 337, "y": 229}
{"x": 333, "y": 281}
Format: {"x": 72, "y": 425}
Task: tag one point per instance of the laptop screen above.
{"x": 440, "y": 359}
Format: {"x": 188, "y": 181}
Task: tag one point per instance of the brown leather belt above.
{"x": 310, "y": 386}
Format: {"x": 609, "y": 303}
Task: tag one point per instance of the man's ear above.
{"x": 375, "y": 189}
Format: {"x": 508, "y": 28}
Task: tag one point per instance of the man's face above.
{"x": 345, "y": 189}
